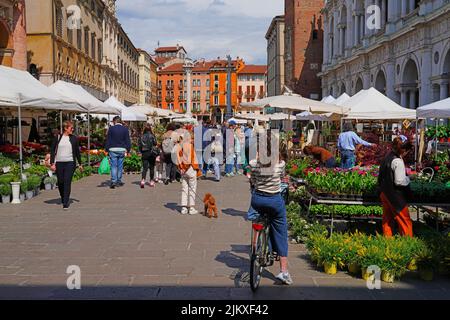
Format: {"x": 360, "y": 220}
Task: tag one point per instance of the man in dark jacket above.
{"x": 118, "y": 143}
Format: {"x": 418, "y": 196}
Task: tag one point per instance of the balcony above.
{"x": 169, "y": 87}
{"x": 159, "y": 87}
{"x": 180, "y": 87}
{"x": 181, "y": 99}
{"x": 261, "y": 95}
{"x": 196, "y": 98}
{"x": 169, "y": 99}
{"x": 239, "y": 95}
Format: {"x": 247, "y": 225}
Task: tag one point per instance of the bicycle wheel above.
{"x": 256, "y": 266}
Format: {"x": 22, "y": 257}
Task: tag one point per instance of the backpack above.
{"x": 147, "y": 143}
{"x": 167, "y": 145}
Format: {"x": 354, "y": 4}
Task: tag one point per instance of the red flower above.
{"x": 436, "y": 168}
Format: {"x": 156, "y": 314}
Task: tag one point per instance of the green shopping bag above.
{"x": 104, "y": 168}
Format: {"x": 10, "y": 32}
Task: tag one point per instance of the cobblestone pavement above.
{"x": 133, "y": 244}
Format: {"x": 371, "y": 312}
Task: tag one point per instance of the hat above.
{"x": 232, "y": 123}
{"x": 403, "y": 138}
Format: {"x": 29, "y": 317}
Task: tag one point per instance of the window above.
{"x": 315, "y": 35}
{"x": 70, "y": 35}
{"x": 59, "y": 22}
{"x": 216, "y": 100}
{"x": 207, "y": 107}
{"x": 100, "y": 50}
{"x": 208, "y": 95}
{"x": 216, "y": 77}
{"x": 93, "y": 45}
{"x": 86, "y": 40}
{"x": 79, "y": 40}
{"x": 207, "y": 82}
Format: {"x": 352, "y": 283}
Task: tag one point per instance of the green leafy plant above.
{"x": 132, "y": 163}
{"x": 34, "y": 182}
{"x": 5, "y": 189}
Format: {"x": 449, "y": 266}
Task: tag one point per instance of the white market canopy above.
{"x": 341, "y": 100}
{"x": 371, "y": 104}
{"x": 439, "y": 109}
{"x": 186, "y": 120}
{"x": 308, "y": 116}
{"x": 127, "y": 114}
{"x": 252, "y": 116}
{"x": 84, "y": 98}
{"x": 20, "y": 87}
{"x": 294, "y": 102}
{"x": 154, "y": 112}
{"x": 329, "y": 99}
{"x": 238, "y": 121}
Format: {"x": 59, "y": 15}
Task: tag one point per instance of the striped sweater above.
{"x": 267, "y": 180}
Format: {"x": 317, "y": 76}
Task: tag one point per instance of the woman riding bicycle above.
{"x": 267, "y": 172}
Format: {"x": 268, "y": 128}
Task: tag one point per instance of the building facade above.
{"x": 63, "y": 47}
{"x": 13, "y": 35}
{"x": 166, "y": 56}
{"x": 110, "y": 54}
{"x": 251, "y": 83}
{"x": 275, "y": 57}
{"x": 154, "y": 82}
{"x": 303, "y": 46}
{"x": 407, "y": 58}
{"x": 145, "y": 85}
{"x": 128, "y": 62}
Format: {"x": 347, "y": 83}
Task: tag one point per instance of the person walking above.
{"x": 394, "y": 186}
{"x": 64, "y": 155}
{"x": 167, "y": 148}
{"x": 189, "y": 169}
{"x": 230, "y": 152}
{"x": 149, "y": 150}
{"x": 347, "y": 142}
{"x": 118, "y": 144}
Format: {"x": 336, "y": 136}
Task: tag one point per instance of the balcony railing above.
{"x": 159, "y": 87}
{"x": 180, "y": 86}
{"x": 169, "y": 99}
{"x": 181, "y": 98}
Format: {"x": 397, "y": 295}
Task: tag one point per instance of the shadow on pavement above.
{"x": 58, "y": 201}
{"x": 173, "y": 206}
{"x": 235, "y": 213}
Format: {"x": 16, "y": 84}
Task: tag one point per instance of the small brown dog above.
{"x": 210, "y": 206}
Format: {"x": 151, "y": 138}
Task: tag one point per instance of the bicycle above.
{"x": 261, "y": 255}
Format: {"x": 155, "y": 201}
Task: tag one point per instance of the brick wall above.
{"x": 304, "y": 46}
{"x": 20, "y": 37}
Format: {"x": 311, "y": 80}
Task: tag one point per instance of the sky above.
{"x": 206, "y": 28}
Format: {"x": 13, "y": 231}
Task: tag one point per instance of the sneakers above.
{"x": 112, "y": 186}
{"x": 229, "y": 175}
{"x": 184, "y": 210}
{"x": 285, "y": 278}
{"x": 193, "y": 211}
{"x": 65, "y": 208}
{"x": 142, "y": 184}
{"x": 152, "y": 183}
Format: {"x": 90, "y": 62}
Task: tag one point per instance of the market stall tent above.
{"x": 308, "y": 116}
{"x": 371, "y": 104}
{"x": 341, "y": 100}
{"x": 439, "y": 109}
{"x": 18, "y": 89}
{"x": 126, "y": 113}
{"x": 329, "y": 99}
{"x": 155, "y": 112}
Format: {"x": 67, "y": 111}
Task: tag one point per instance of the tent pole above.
{"x": 61, "y": 122}
{"x": 19, "y": 107}
{"x": 89, "y": 139}
{"x": 437, "y": 140}
{"x": 416, "y": 145}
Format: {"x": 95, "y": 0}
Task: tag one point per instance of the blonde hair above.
{"x": 67, "y": 124}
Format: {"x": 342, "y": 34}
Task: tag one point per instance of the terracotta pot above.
{"x": 387, "y": 276}
{"x": 330, "y": 268}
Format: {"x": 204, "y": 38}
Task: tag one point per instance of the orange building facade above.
{"x": 13, "y": 35}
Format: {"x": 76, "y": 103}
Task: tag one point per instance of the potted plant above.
{"x": 330, "y": 254}
{"x": 29, "y": 194}
{"x": 48, "y": 181}
{"x": 372, "y": 254}
{"x": 23, "y": 190}
{"x": 34, "y": 183}
{"x": 426, "y": 264}
{"x": 5, "y": 192}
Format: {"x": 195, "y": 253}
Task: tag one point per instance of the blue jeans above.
{"x": 330, "y": 163}
{"x": 347, "y": 159}
{"x": 215, "y": 163}
{"x": 116, "y": 166}
{"x": 274, "y": 207}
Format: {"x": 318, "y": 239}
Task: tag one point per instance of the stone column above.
{"x": 404, "y": 7}
{"x": 365, "y": 16}
{"x": 412, "y": 99}
{"x": 392, "y": 13}
{"x": 390, "y": 80}
{"x": 355, "y": 30}
{"x": 425, "y": 75}
{"x": 403, "y": 101}
{"x": 326, "y": 38}
{"x": 341, "y": 41}
{"x": 362, "y": 25}
{"x": 383, "y": 12}
{"x": 444, "y": 90}
{"x": 412, "y": 3}
{"x": 349, "y": 38}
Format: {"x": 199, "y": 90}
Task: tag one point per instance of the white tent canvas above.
{"x": 84, "y": 98}
{"x": 155, "y": 112}
{"x": 373, "y": 105}
{"x": 329, "y": 99}
{"x": 20, "y": 87}
{"x": 308, "y": 116}
{"x": 294, "y": 103}
{"x": 439, "y": 109}
{"x": 342, "y": 100}
{"x": 127, "y": 115}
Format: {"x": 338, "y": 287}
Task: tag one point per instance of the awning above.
{"x": 439, "y": 109}
{"x": 127, "y": 114}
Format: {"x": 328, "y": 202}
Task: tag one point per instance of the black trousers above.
{"x": 148, "y": 162}
{"x": 64, "y": 172}
{"x": 171, "y": 168}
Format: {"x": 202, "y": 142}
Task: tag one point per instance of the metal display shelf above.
{"x": 334, "y": 202}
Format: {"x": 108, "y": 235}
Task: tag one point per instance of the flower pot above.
{"x": 15, "y": 192}
{"x": 387, "y": 276}
{"x": 412, "y": 265}
{"x": 366, "y": 275}
{"x": 330, "y": 268}
{"x": 6, "y": 199}
{"x": 29, "y": 195}
{"x": 426, "y": 274}
{"x": 22, "y": 197}
{"x": 442, "y": 140}
{"x": 354, "y": 268}
{"x": 48, "y": 186}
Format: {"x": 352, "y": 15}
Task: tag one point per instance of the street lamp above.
{"x": 188, "y": 66}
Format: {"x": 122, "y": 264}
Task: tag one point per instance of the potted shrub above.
{"x": 426, "y": 264}
{"x": 330, "y": 254}
{"x": 372, "y": 254}
{"x": 5, "y": 192}
{"x": 54, "y": 181}
{"x": 35, "y": 183}
{"x": 29, "y": 193}
{"x": 48, "y": 183}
